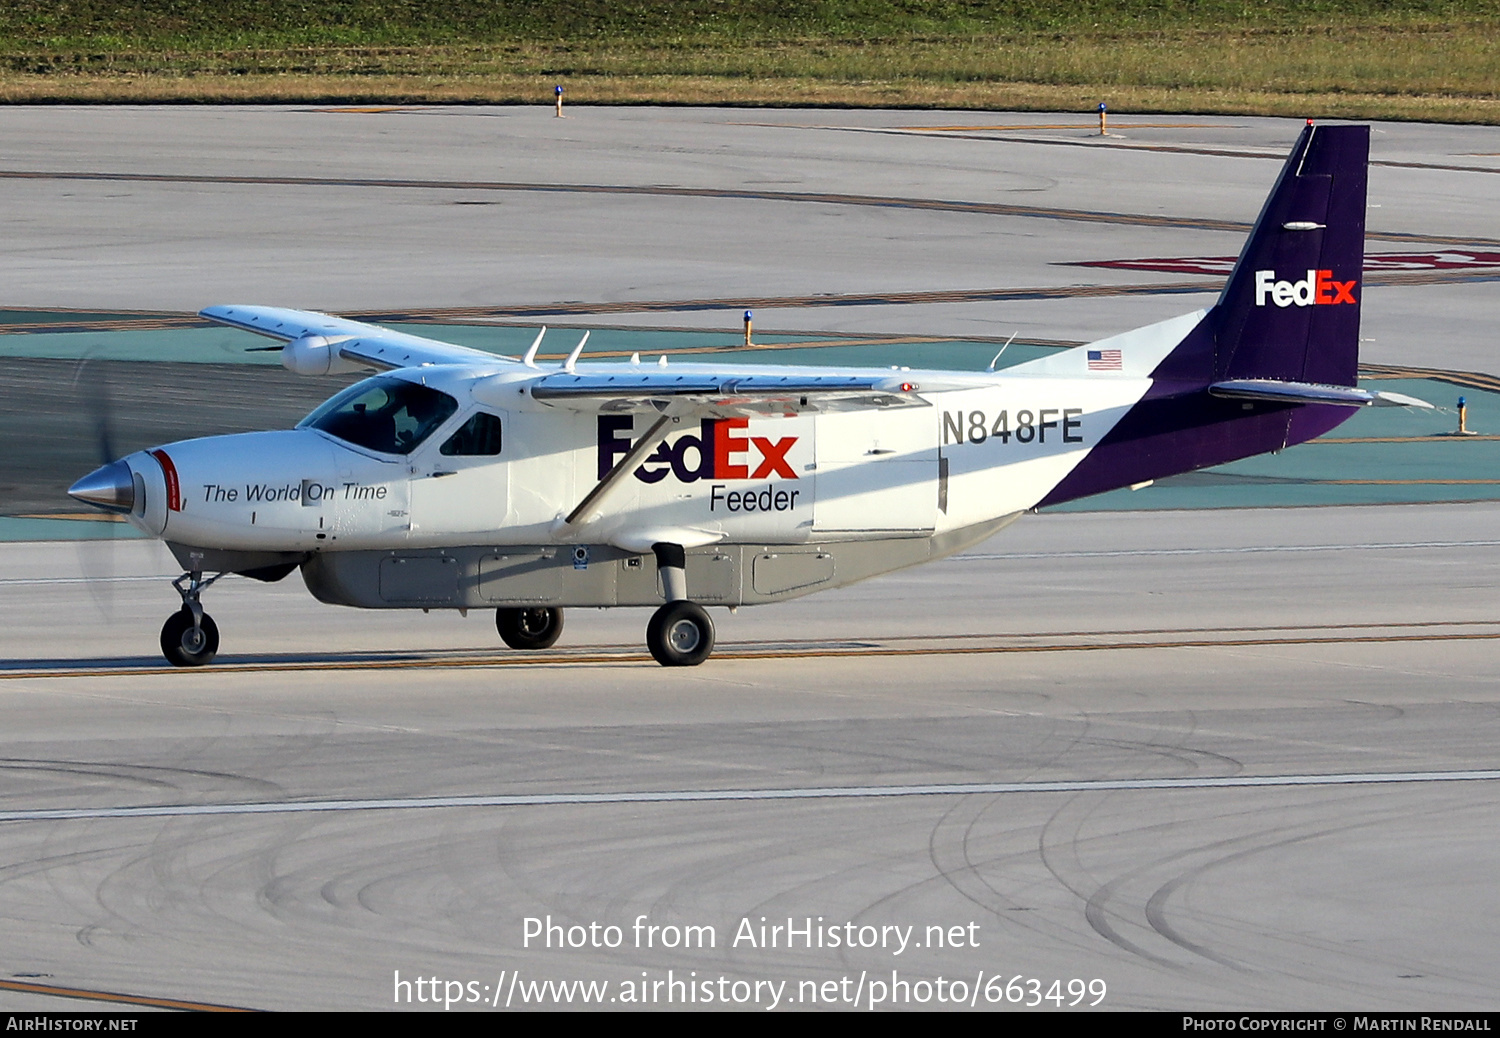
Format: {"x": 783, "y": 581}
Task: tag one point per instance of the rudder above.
{"x": 1290, "y": 310}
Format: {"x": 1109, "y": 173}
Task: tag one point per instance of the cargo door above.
{"x": 877, "y": 471}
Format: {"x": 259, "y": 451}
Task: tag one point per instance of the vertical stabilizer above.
{"x": 1290, "y": 310}
{"x": 1288, "y": 315}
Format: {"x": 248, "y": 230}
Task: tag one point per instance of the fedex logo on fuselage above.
{"x": 716, "y": 452}
{"x": 1317, "y": 289}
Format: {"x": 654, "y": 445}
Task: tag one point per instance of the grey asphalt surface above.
{"x": 1120, "y": 647}
{"x": 1290, "y": 645}
{"x": 334, "y": 244}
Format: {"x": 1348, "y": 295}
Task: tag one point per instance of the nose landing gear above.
{"x": 190, "y": 638}
{"x": 186, "y": 643}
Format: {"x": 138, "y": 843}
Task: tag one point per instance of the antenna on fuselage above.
{"x": 996, "y": 359}
{"x": 530, "y": 359}
{"x": 573, "y": 357}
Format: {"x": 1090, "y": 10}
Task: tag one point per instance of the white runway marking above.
{"x": 13, "y": 581}
{"x": 698, "y": 795}
{"x": 1124, "y": 552}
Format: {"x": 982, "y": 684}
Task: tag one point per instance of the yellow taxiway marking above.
{"x": 115, "y": 996}
{"x": 1017, "y": 126}
{"x": 1405, "y": 482}
{"x": 372, "y": 109}
{"x": 1069, "y": 126}
{"x": 1432, "y": 438}
{"x": 1436, "y": 632}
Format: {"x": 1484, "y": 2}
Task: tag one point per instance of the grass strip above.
{"x": 1437, "y": 60}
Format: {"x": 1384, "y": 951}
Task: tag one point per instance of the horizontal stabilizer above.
{"x": 1274, "y": 391}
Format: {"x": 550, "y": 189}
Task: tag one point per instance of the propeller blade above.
{"x": 96, "y": 558}
{"x": 92, "y": 385}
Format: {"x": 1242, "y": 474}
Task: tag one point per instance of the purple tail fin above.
{"x": 1288, "y": 315}
{"x": 1290, "y": 311}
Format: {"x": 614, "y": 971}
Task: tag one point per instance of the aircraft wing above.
{"x": 725, "y": 396}
{"x": 318, "y": 344}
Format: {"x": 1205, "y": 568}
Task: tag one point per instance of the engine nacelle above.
{"x": 318, "y": 355}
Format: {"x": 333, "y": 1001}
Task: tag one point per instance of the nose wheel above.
{"x": 186, "y": 643}
{"x": 190, "y": 638}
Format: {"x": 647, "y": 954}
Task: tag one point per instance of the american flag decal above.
{"x": 1104, "y": 360}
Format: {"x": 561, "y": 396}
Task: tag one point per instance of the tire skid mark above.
{"x": 1167, "y": 739}
{"x": 1156, "y": 904}
{"x": 1372, "y": 813}
{"x": 148, "y": 775}
{"x": 952, "y": 860}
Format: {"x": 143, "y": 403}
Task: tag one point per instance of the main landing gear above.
{"x": 190, "y": 638}
{"x": 533, "y": 627}
{"x": 680, "y": 633}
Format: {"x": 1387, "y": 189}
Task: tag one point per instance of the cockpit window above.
{"x": 385, "y": 414}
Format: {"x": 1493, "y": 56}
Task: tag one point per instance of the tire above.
{"x": 534, "y": 627}
{"x": 680, "y": 634}
{"x": 185, "y": 647}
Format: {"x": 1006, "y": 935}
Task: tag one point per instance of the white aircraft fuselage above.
{"x": 460, "y": 479}
{"x": 794, "y": 479}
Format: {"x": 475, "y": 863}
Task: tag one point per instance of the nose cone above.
{"x": 111, "y": 488}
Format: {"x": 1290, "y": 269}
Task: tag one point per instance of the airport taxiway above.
{"x": 1317, "y": 690}
{"x": 1215, "y": 758}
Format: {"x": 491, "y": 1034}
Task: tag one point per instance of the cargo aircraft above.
{"x": 456, "y": 479}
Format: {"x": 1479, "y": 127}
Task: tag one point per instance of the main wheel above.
{"x": 185, "y": 645}
{"x": 535, "y": 627}
{"x": 680, "y": 634}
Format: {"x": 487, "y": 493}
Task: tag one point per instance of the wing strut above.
{"x": 645, "y": 445}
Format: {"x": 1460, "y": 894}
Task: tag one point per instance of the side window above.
{"x": 480, "y": 435}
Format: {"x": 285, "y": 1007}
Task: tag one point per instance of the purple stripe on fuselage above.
{"x": 1174, "y": 433}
